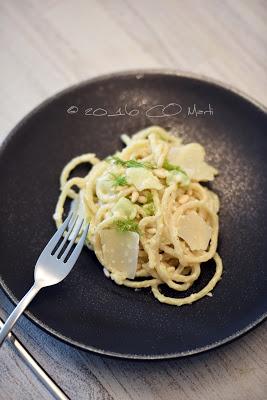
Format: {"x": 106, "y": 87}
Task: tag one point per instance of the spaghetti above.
{"x": 151, "y": 221}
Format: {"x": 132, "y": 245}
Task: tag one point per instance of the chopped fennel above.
{"x": 142, "y": 179}
{"x": 171, "y": 167}
{"x": 104, "y": 186}
{"x": 124, "y": 208}
{"x": 126, "y": 225}
{"x": 149, "y": 209}
{"x": 118, "y": 180}
{"x": 176, "y": 174}
{"x": 149, "y": 197}
{"x": 177, "y": 177}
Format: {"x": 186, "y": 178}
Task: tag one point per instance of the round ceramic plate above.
{"x": 89, "y": 310}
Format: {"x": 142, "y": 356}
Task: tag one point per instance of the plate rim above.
{"x": 30, "y": 317}
{"x": 118, "y": 74}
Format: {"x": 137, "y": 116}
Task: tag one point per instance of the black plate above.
{"x": 89, "y": 310}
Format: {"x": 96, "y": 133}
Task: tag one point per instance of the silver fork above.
{"x": 50, "y": 268}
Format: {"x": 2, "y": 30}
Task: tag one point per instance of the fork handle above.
{"x": 10, "y": 322}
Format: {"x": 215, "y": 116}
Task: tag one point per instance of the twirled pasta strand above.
{"x": 164, "y": 257}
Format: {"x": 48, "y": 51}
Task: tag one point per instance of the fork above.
{"x": 51, "y": 266}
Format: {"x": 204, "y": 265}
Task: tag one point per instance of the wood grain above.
{"x": 47, "y": 46}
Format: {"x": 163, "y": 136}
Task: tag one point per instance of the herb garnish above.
{"x": 119, "y": 180}
{"x": 126, "y": 225}
{"x": 171, "y": 167}
{"x": 149, "y": 209}
{"x": 130, "y": 163}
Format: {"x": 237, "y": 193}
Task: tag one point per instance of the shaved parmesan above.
{"x": 120, "y": 251}
{"x": 142, "y": 178}
{"x": 195, "y": 231}
{"x": 190, "y": 158}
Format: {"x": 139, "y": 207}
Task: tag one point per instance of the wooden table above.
{"x": 49, "y": 45}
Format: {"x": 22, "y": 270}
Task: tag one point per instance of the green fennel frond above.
{"x": 118, "y": 180}
{"x": 126, "y": 225}
{"x": 149, "y": 209}
{"x": 171, "y": 167}
{"x": 130, "y": 163}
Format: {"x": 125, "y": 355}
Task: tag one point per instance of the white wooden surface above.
{"x": 49, "y": 45}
